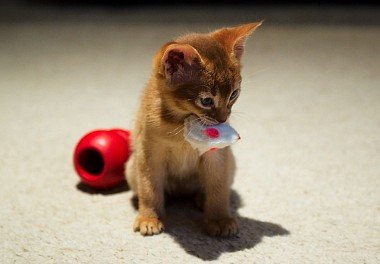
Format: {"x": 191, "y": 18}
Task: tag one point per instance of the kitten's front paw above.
{"x": 223, "y": 227}
{"x": 148, "y": 225}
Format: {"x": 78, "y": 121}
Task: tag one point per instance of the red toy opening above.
{"x": 91, "y": 161}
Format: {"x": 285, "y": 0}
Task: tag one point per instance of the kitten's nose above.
{"x": 221, "y": 119}
{"x": 221, "y": 115}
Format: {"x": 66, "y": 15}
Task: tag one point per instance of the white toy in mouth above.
{"x": 205, "y": 138}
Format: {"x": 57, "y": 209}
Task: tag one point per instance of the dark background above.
{"x": 194, "y": 11}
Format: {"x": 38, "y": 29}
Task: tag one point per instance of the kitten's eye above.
{"x": 234, "y": 94}
{"x": 207, "y": 101}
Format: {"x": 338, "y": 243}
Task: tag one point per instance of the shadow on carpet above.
{"x": 184, "y": 222}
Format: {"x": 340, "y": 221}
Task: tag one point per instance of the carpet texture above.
{"x": 307, "y": 185}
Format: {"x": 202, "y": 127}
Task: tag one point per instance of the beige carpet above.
{"x": 308, "y": 179}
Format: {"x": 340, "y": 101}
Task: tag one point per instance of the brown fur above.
{"x": 162, "y": 161}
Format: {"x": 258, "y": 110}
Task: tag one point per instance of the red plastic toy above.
{"x": 100, "y": 157}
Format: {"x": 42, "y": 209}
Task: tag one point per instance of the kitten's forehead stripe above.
{"x": 218, "y": 100}
{"x": 214, "y": 88}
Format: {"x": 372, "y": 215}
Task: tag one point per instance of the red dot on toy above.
{"x": 212, "y": 132}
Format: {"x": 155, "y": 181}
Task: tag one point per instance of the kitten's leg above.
{"x": 150, "y": 188}
{"x": 217, "y": 170}
{"x": 199, "y": 199}
{"x": 131, "y": 173}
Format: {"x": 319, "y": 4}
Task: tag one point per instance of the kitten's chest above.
{"x": 182, "y": 160}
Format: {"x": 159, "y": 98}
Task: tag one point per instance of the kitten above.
{"x": 197, "y": 74}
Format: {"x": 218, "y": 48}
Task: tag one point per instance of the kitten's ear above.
{"x": 233, "y": 39}
{"x": 180, "y": 62}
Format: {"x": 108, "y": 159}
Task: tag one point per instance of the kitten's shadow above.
{"x": 184, "y": 221}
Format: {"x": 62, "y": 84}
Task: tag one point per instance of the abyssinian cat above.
{"x": 196, "y": 74}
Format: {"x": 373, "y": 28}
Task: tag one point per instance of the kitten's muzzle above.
{"x": 222, "y": 114}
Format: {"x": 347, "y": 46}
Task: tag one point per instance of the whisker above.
{"x": 240, "y": 118}
{"x": 250, "y": 82}
{"x": 180, "y": 128}
{"x": 240, "y": 113}
{"x": 210, "y": 119}
{"x": 179, "y": 131}
{"x": 192, "y": 127}
{"x": 257, "y": 72}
